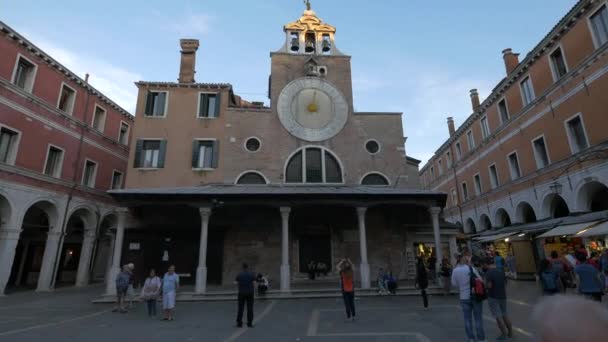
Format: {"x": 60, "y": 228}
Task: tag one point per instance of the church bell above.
{"x": 310, "y": 46}
{"x": 326, "y": 46}
{"x": 295, "y": 44}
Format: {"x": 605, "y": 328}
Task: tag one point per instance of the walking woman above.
{"x": 346, "y": 268}
{"x": 150, "y": 292}
{"x": 422, "y": 281}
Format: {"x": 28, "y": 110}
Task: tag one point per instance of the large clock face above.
{"x": 312, "y": 109}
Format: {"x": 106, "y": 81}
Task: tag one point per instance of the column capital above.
{"x": 90, "y": 234}
{"x": 122, "y": 211}
{"x": 361, "y": 210}
{"x": 285, "y": 210}
{"x": 434, "y": 210}
{"x": 205, "y": 212}
{"x": 55, "y": 235}
{"x": 10, "y": 234}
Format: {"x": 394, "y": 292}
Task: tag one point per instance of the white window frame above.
{"x": 458, "y": 150}
{"x": 556, "y": 77}
{"x": 448, "y": 160}
{"x": 198, "y": 155}
{"x": 84, "y": 171}
{"x": 126, "y": 143}
{"x": 494, "y": 183}
{"x": 479, "y": 191}
{"x": 504, "y": 98}
{"x": 522, "y": 93}
{"x": 252, "y": 137}
{"x": 440, "y": 167}
{"x": 596, "y": 43}
{"x": 378, "y": 173}
{"x": 105, "y": 117}
{"x": 432, "y": 173}
{"x": 573, "y": 148}
{"x": 166, "y": 105}
{"x": 198, "y": 105}
{"x": 122, "y": 179}
{"x": 12, "y": 154}
{"x": 323, "y": 172}
{"x": 510, "y": 166}
{"x": 143, "y": 156}
{"x": 236, "y": 180}
{"x": 377, "y": 142}
{"x": 46, "y": 159}
{"x": 471, "y": 140}
{"x": 465, "y": 194}
{"x": 73, "y": 102}
{"x": 536, "y": 156}
{"x": 485, "y": 129}
{"x": 29, "y": 87}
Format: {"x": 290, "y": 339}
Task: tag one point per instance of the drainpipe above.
{"x": 83, "y": 128}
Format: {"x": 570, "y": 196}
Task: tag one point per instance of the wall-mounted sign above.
{"x": 134, "y": 246}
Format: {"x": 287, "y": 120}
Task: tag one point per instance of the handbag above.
{"x": 478, "y": 287}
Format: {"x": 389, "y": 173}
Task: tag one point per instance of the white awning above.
{"x": 597, "y": 230}
{"x": 495, "y": 237}
{"x": 568, "y": 230}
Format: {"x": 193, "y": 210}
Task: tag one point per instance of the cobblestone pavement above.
{"x": 68, "y": 315}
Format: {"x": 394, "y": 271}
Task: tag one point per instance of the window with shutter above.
{"x": 205, "y": 154}
{"x": 156, "y": 104}
{"x": 209, "y": 105}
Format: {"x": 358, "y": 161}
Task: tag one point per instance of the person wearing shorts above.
{"x": 496, "y": 282}
{"x": 170, "y": 286}
{"x": 122, "y": 285}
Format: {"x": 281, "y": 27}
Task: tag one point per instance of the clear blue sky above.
{"x": 416, "y": 57}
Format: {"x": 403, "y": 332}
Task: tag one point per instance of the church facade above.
{"x": 214, "y": 180}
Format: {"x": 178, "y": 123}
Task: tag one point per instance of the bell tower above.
{"x": 309, "y": 50}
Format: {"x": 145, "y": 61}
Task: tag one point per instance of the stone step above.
{"x": 294, "y": 294}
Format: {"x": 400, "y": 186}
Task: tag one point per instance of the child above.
{"x": 263, "y": 283}
{"x": 150, "y": 292}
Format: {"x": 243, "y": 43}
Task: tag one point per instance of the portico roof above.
{"x": 277, "y": 191}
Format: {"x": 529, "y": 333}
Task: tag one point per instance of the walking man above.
{"x": 422, "y": 281}
{"x": 122, "y": 285}
{"x": 497, "y": 298}
{"x": 245, "y": 281}
{"x": 461, "y": 279}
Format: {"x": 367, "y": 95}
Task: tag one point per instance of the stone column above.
{"x": 9, "y": 238}
{"x": 106, "y": 273}
{"x": 116, "y": 256}
{"x": 49, "y": 260}
{"x": 285, "y": 271}
{"x": 453, "y": 249}
{"x": 84, "y": 263}
{"x": 365, "y": 279}
{"x": 434, "y": 211}
{"x": 201, "y": 270}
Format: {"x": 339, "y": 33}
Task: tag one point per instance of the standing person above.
{"x": 131, "y": 288}
{"x": 549, "y": 280}
{"x": 422, "y": 281}
{"x": 499, "y": 261}
{"x": 170, "y": 286}
{"x": 446, "y": 273}
{"x": 588, "y": 279}
{"x": 391, "y": 282}
{"x": 496, "y": 282}
{"x": 381, "y": 281}
{"x": 561, "y": 268}
{"x": 432, "y": 264}
{"x": 311, "y": 268}
{"x": 245, "y": 281}
{"x": 347, "y": 285}
{"x": 471, "y": 309}
{"x": 150, "y": 292}
{"x": 122, "y": 286}
{"x": 510, "y": 263}
{"x": 263, "y": 283}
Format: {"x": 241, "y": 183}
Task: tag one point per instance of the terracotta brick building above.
{"x": 533, "y": 154}
{"x": 63, "y": 144}
{"x": 215, "y": 180}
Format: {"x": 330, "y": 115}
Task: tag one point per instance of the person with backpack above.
{"x": 467, "y": 280}
{"x": 561, "y": 268}
{"x": 347, "y": 285}
{"x": 422, "y": 281}
{"x": 588, "y": 279}
{"x": 549, "y": 280}
{"x": 496, "y": 282}
{"x": 122, "y": 285}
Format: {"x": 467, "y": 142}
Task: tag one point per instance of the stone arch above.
{"x": 103, "y": 253}
{"x": 470, "y": 226}
{"x": 298, "y": 164}
{"x": 251, "y": 177}
{"x": 85, "y": 213}
{"x": 485, "y": 223}
{"x": 592, "y": 196}
{"x": 502, "y": 218}
{"x": 554, "y": 206}
{"x": 525, "y": 213}
{"x": 6, "y": 211}
{"x": 375, "y": 178}
{"x": 48, "y": 207}
{"x": 78, "y": 242}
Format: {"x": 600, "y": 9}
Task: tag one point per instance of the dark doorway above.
{"x": 315, "y": 248}
{"x": 215, "y": 256}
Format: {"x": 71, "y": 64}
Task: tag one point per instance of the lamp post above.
{"x": 556, "y": 187}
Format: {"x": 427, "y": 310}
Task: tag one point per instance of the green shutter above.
{"x": 195, "y": 147}
{"x": 203, "y": 104}
{"x": 162, "y": 153}
{"x": 149, "y": 103}
{"x": 216, "y": 154}
{"x": 139, "y": 145}
{"x": 218, "y": 104}
{"x": 162, "y": 99}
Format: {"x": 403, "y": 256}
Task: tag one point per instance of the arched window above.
{"x": 313, "y": 165}
{"x": 374, "y": 179}
{"x": 251, "y": 178}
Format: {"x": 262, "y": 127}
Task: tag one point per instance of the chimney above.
{"x": 188, "y": 60}
{"x": 451, "y": 127}
{"x": 511, "y": 60}
{"x": 475, "y": 100}
{"x": 86, "y": 78}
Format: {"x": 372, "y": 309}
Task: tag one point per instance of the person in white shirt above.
{"x": 461, "y": 279}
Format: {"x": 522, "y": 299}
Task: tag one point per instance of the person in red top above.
{"x": 347, "y": 284}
